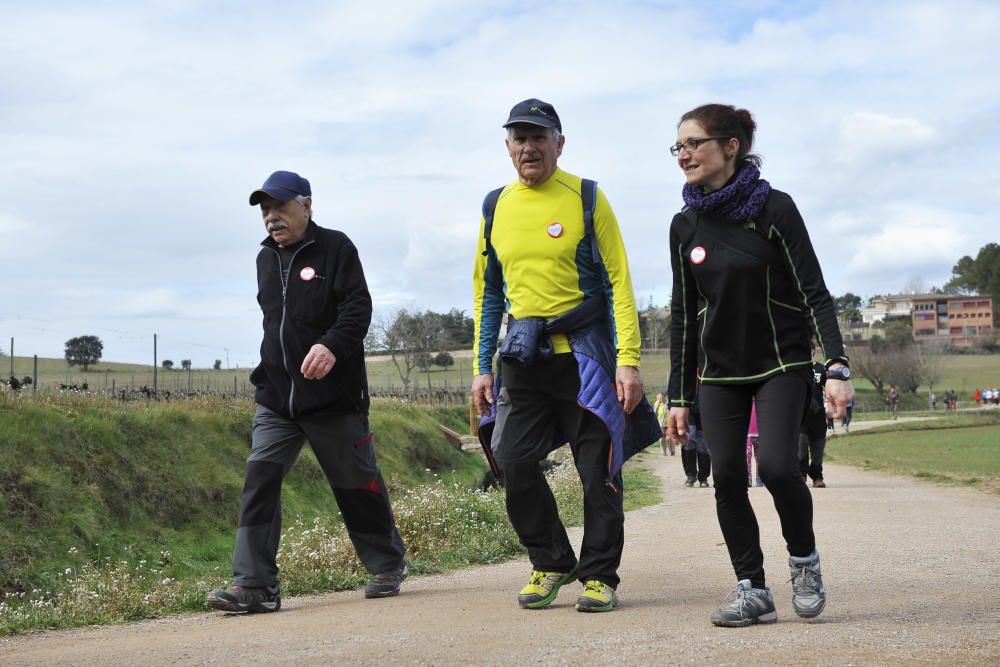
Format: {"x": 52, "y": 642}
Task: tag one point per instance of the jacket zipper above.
{"x": 281, "y": 327}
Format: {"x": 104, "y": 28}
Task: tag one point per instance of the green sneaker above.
{"x": 543, "y": 587}
{"x": 597, "y": 596}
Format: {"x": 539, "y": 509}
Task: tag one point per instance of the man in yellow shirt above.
{"x": 569, "y": 364}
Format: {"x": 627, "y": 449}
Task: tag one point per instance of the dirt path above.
{"x": 911, "y": 570}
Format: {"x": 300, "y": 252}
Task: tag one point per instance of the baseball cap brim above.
{"x": 532, "y": 120}
{"x": 281, "y": 194}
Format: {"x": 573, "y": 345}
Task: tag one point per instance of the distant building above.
{"x": 894, "y": 305}
{"x": 957, "y": 319}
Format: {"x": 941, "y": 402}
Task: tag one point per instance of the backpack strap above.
{"x": 588, "y": 192}
{"x": 489, "y": 209}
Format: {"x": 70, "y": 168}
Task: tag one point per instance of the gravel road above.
{"x": 911, "y": 570}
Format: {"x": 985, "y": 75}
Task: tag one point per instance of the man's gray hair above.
{"x": 555, "y": 133}
{"x": 302, "y": 200}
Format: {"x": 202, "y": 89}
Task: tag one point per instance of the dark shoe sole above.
{"x": 381, "y": 594}
{"x": 762, "y": 620}
{"x": 222, "y": 604}
{"x": 587, "y": 608}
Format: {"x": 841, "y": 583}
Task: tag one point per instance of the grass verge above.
{"x": 960, "y": 450}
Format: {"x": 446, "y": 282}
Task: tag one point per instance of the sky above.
{"x": 133, "y": 134}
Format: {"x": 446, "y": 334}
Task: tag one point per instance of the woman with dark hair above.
{"x": 742, "y": 248}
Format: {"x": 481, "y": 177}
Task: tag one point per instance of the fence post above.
{"x": 34, "y": 375}
{"x": 154, "y": 365}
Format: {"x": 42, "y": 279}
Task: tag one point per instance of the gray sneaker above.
{"x": 386, "y": 584}
{"x": 808, "y": 593}
{"x": 745, "y": 605}
{"x": 251, "y": 599}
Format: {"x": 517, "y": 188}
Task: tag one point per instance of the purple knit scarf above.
{"x": 739, "y": 200}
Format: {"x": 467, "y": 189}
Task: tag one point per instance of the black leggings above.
{"x": 725, "y": 417}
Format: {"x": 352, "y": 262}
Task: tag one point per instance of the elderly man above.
{"x": 311, "y": 385}
{"x": 551, "y": 255}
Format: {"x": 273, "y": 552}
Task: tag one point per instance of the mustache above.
{"x": 272, "y": 226}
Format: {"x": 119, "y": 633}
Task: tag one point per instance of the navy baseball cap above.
{"x": 535, "y": 112}
{"x": 283, "y": 186}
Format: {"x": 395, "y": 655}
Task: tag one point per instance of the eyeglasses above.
{"x": 691, "y": 145}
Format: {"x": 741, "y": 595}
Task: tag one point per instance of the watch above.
{"x": 842, "y": 373}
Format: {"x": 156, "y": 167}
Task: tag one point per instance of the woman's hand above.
{"x": 677, "y": 425}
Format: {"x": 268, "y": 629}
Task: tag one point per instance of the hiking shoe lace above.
{"x": 597, "y": 596}
{"x": 745, "y": 605}
{"x": 808, "y": 592}
{"x": 542, "y": 588}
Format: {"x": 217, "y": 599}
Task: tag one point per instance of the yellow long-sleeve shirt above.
{"x": 541, "y": 265}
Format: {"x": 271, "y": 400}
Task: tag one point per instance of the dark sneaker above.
{"x": 597, "y": 596}
{"x": 689, "y": 482}
{"x": 251, "y": 599}
{"x": 703, "y": 485}
{"x": 819, "y": 484}
{"x": 542, "y": 588}
{"x": 386, "y": 584}
{"x": 808, "y": 593}
{"x": 745, "y": 605}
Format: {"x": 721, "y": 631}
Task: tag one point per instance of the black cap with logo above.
{"x": 534, "y": 112}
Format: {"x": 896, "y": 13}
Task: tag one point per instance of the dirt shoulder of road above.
{"x": 910, "y": 568}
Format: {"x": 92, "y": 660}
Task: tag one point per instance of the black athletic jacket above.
{"x": 325, "y": 301}
{"x": 762, "y": 296}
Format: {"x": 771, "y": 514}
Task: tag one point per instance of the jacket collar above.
{"x": 310, "y": 235}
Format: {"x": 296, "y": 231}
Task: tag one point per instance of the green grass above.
{"x": 114, "y": 512}
{"x": 958, "y": 450}
{"x": 99, "y": 476}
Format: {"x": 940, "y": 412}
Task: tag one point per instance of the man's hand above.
{"x": 482, "y": 393}
{"x": 677, "y": 425}
{"x": 628, "y": 384}
{"x": 318, "y": 363}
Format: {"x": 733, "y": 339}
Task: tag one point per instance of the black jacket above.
{"x": 763, "y": 297}
{"x": 326, "y": 301}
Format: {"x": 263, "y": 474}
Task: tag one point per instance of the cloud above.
{"x": 133, "y": 134}
{"x": 864, "y": 134}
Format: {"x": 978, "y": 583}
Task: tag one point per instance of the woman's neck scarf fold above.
{"x": 739, "y": 200}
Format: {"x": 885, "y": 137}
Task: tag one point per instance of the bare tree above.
{"x": 655, "y": 324}
{"x": 870, "y": 365}
{"x": 930, "y": 357}
{"x": 903, "y": 367}
{"x": 409, "y": 338}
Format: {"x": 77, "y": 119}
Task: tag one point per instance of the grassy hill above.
{"x": 83, "y": 478}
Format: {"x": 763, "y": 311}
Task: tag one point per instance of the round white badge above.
{"x": 698, "y": 254}
{"x": 555, "y": 230}
{"x": 308, "y": 273}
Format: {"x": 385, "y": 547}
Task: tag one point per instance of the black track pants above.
{"x": 725, "y": 416}
{"x": 541, "y": 400}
